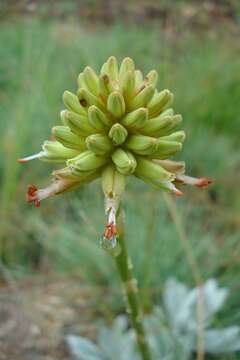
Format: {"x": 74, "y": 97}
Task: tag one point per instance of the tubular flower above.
{"x": 118, "y": 124}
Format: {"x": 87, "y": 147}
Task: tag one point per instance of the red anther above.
{"x": 110, "y": 231}
{"x": 32, "y": 196}
{"x": 203, "y": 182}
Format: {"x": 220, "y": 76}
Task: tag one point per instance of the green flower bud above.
{"x": 86, "y": 99}
{"x": 138, "y": 79}
{"x": 91, "y": 80}
{"x": 86, "y": 162}
{"x": 98, "y": 119}
{"x": 141, "y": 145}
{"x": 79, "y": 124}
{"x": 142, "y": 98}
{"x": 118, "y": 134}
{"x": 99, "y": 144}
{"x": 116, "y": 104}
{"x": 112, "y": 68}
{"x": 161, "y": 126}
{"x": 127, "y": 86}
{"x": 178, "y": 136}
{"x": 66, "y": 137}
{"x": 72, "y": 103}
{"x": 126, "y": 66}
{"x": 53, "y": 151}
{"x": 159, "y": 102}
{"x": 166, "y": 149}
{"x": 124, "y": 160}
{"x": 113, "y": 183}
{"x": 152, "y": 78}
{"x": 135, "y": 119}
{"x": 81, "y": 81}
{"x": 167, "y": 112}
{"x": 149, "y": 169}
{"x": 106, "y": 86}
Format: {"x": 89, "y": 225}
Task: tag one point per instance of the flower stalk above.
{"x": 129, "y": 287}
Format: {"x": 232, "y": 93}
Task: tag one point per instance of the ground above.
{"x": 36, "y": 314}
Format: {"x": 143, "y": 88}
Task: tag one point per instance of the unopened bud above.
{"x": 126, "y": 65}
{"x": 86, "y": 99}
{"x": 113, "y": 183}
{"x": 159, "y": 102}
{"x": 124, "y": 161}
{"x": 127, "y": 86}
{"x": 178, "y": 136}
{"x": 53, "y": 151}
{"x": 149, "y": 169}
{"x": 161, "y": 126}
{"x": 71, "y": 102}
{"x": 116, "y": 104}
{"x": 86, "y": 162}
{"x": 106, "y": 86}
{"x": 138, "y": 79}
{"x": 152, "y": 78}
{"x": 66, "y": 137}
{"x": 91, "y": 80}
{"x": 112, "y": 68}
{"x": 79, "y": 124}
{"x": 135, "y": 119}
{"x": 118, "y": 134}
{"x": 99, "y": 144}
{"x": 142, "y": 98}
{"x": 142, "y": 145}
{"x": 166, "y": 149}
{"x": 98, "y": 119}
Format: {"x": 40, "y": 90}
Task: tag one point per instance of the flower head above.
{"x": 118, "y": 124}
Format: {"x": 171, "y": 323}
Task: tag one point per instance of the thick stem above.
{"x": 130, "y": 288}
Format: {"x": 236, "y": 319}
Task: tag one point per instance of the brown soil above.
{"x": 35, "y": 317}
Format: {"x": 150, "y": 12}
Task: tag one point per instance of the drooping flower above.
{"x": 117, "y": 125}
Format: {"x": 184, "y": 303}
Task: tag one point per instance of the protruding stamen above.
{"x": 109, "y": 239}
{"x": 32, "y": 195}
{"x": 35, "y": 195}
{"x": 188, "y": 180}
{"x": 31, "y": 157}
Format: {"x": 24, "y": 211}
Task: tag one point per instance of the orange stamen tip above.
{"x": 32, "y": 196}
{"x": 178, "y": 192}
{"x": 22, "y": 161}
{"x": 110, "y": 231}
{"x": 203, "y": 183}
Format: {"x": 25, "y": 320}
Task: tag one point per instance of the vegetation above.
{"x": 41, "y": 60}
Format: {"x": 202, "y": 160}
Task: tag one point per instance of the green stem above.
{"x": 130, "y": 288}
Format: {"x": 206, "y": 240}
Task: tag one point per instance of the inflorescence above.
{"x": 117, "y": 125}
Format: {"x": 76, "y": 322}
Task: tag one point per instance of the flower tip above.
{"x": 177, "y": 192}
{"x": 22, "y": 160}
{"x": 203, "y": 183}
{"x": 32, "y": 195}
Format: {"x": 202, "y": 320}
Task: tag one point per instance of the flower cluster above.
{"x": 117, "y": 125}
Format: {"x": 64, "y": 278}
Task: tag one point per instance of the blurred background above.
{"x": 54, "y": 277}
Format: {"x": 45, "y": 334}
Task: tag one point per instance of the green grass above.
{"x": 38, "y": 62}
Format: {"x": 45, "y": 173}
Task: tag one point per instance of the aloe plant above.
{"x": 117, "y": 125}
